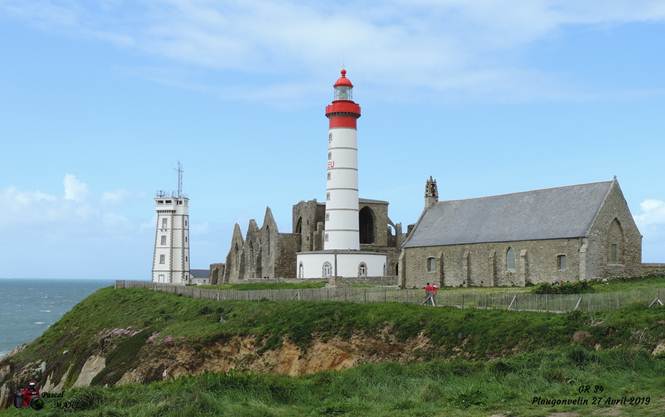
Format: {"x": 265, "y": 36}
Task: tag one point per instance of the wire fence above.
{"x": 552, "y": 303}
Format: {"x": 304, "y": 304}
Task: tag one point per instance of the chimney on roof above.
{"x": 431, "y": 193}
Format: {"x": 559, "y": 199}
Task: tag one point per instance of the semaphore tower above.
{"x": 170, "y": 263}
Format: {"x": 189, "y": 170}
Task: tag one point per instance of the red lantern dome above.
{"x": 343, "y": 81}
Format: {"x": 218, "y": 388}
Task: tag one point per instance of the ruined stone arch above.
{"x": 367, "y": 221}
{"x": 298, "y": 231}
{"x": 268, "y": 240}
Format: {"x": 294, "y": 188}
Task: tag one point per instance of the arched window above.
{"x": 510, "y": 260}
{"x": 615, "y": 243}
{"x": 301, "y": 270}
{"x": 327, "y": 270}
{"x": 366, "y": 223}
{"x": 431, "y": 264}
{"x": 362, "y": 270}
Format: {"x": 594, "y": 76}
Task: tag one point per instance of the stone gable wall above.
{"x": 602, "y": 234}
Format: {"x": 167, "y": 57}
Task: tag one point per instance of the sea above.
{"x": 29, "y": 306}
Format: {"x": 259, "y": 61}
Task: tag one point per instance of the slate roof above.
{"x": 199, "y": 273}
{"x": 563, "y": 212}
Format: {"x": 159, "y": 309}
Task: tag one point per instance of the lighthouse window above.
{"x": 185, "y": 222}
{"x": 326, "y": 237}
{"x": 162, "y": 259}
{"x": 164, "y": 222}
{"x": 327, "y": 196}
{"x": 327, "y": 216}
{"x": 329, "y": 137}
{"x": 329, "y": 156}
{"x": 163, "y": 241}
{"x": 362, "y": 270}
{"x": 329, "y": 176}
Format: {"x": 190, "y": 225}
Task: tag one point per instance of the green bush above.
{"x": 578, "y": 287}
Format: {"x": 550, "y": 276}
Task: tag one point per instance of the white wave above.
{"x": 40, "y": 322}
{"x": 44, "y": 311}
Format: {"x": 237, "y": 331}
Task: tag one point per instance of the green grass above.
{"x": 451, "y": 388}
{"x": 473, "y": 334}
{"x": 627, "y": 284}
{"x": 250, "y": 286}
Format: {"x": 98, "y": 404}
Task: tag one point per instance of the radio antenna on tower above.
{"x": 180, "y": 171}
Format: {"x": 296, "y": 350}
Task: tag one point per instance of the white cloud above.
{"x": 115, "y": 197}
{"x": 652, "y": 213}
{"x": 407, "y": 45}
{"x": 75, "y": 190}
{"x": 69, "y": 213}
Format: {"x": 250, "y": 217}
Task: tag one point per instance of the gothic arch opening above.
{"x": 366, "y": 222}
{"x": 298, "y": 231}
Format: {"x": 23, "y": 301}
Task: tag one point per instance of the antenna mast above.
{"x": 180, "y": 171}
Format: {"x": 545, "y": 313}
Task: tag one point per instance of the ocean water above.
{"x": 29, "y": 306}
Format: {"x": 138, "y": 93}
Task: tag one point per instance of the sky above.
{"x": 100, "y": 99}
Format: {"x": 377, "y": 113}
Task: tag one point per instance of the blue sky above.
{"x": 100, "y": 99}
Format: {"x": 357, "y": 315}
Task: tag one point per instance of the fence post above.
{"x": 510, "y": 306}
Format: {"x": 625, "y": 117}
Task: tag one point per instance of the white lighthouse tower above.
{"x": 341, "y": 256}
{"x": 170, "y": 262}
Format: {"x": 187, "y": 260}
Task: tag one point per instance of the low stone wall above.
{"x": 652, "y": 270}
{"x": 381, "y": 281}
{"x": 275, "y": 280}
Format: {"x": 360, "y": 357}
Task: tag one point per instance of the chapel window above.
{"x": 431, "y": 264}
{"x": 510, "y": 260}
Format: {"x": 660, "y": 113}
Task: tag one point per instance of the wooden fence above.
{"x": 553, "y": 303}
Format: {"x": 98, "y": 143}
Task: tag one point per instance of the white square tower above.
{"x": 170, "y": 262}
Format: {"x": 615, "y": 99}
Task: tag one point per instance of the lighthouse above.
{"x": 341, "y": 225}
{"x": 341, "y": 256}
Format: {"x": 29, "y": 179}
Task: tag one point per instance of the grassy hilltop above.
{"x": 458, "y": 363}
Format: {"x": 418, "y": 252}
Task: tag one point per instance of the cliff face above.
{"x": 117, "y": 337}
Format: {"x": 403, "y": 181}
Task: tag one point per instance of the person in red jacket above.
{"x": 435, "y": 288}
{"x": 429, "y": 289}
{"x": 29, "y": 392}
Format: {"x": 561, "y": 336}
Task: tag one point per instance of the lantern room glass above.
{"x": 343, "y": 93}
